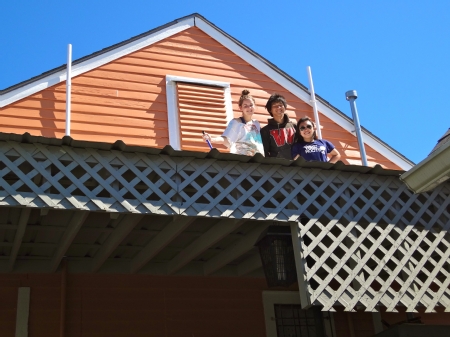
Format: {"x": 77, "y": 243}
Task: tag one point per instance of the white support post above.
{"x": 23, "y": 312}
{"x": 314, "y": 102}
{"x": 68, "y": 87}
{"x": 300, "y": 262}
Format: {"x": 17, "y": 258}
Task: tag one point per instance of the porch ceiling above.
{"x": 36, "y": 240}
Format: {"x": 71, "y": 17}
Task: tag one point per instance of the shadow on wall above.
{"x": 157, "y": 111}
{"x": 47, "y": 115}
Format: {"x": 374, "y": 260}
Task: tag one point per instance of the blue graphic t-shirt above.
{"x": 317, "y": 150}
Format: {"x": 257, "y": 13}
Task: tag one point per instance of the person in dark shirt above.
{"x": 280, "y": 132}
{"x": 309, "y": 147}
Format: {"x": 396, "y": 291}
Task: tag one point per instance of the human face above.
{"x": 247, "y": 108}
{"x": 277, "y": 109}
{"x": 307, "y": 130}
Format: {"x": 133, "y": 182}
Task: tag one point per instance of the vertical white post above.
{"x": 23, "y": 311}
{"x": 300, "y": 263}
{"x": 314, "y": 102}
{"x": 68, "y": 87}
{"x": 173, "y": 114}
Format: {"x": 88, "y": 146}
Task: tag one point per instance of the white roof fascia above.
{"x": 94, "y": 62}
{"x": 430, "y": 172}
{"x": 299, "y": 92}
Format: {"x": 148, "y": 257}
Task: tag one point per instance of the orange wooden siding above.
{"x": 126, "y": 99}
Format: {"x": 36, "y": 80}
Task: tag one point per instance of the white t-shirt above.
{"x": 245, "y": 138}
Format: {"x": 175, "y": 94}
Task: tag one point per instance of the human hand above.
{"x": 206, "y": 136}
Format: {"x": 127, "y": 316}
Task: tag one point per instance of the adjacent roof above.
{"x": 443, "y": 140}
{"x": 84, "y": 64}
{"x": 433, "y": 170}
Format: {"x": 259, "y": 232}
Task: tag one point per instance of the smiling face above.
{"x": 278, "y": 111}
{"x": 247, "y": 108}
{"x": 307, "y": 130}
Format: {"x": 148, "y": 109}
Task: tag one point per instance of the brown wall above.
{"x": 142, "y": 305}
{"x": 363, "y": 324}
{"x": 360, "y": 322}
{"x": 136, "y": 305}
{"x": 439, "y": 318}
{"x": 126, "y": 99}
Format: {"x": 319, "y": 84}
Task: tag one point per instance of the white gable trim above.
{"x": 172, "y": 106}
{"x": 94, "y": 62}
{"x": 299, "y": 92}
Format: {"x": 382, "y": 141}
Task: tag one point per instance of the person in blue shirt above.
{"x": 309, "y": 147}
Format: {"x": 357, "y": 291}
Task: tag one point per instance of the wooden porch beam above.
{"x": 124, "y": 227}
{"x": 234, "y": 251}
{"x": 251, "y": 264}
{"x": 73, "y": 227}
{"x": 21, "y": 226}
{"x": 211, "y": 237}
{"x": 160, "y": 241}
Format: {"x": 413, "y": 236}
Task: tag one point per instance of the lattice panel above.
{"x": 365, "y": 239}
{"x": 88, "y": 179}
{"x": 376, "y": 246}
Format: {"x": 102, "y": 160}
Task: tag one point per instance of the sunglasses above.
{"x": 303, "y": 128}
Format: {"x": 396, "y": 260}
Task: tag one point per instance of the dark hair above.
{"x": 305, "y": 119}
{"x": 245, "y": 95}
{"x": 275, "y": 98}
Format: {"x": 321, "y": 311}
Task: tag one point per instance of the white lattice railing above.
{"x": 365, "y": 239}
{"x": 382, "y": 247}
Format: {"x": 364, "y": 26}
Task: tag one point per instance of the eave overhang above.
{"x": 430, "y": 172}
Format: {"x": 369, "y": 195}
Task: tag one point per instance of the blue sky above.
{"x": 394, "y": 53}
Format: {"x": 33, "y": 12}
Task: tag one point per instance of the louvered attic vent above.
{"x": 200, "y": 107}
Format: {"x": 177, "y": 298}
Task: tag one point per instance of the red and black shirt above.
{"x": 278, "y": 138}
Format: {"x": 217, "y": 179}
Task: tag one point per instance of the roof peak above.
{"x": 111, "y": 53}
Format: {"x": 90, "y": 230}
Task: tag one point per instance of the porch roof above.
{"x": 116, "y": 208}
{"x": 55, "y": 224}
